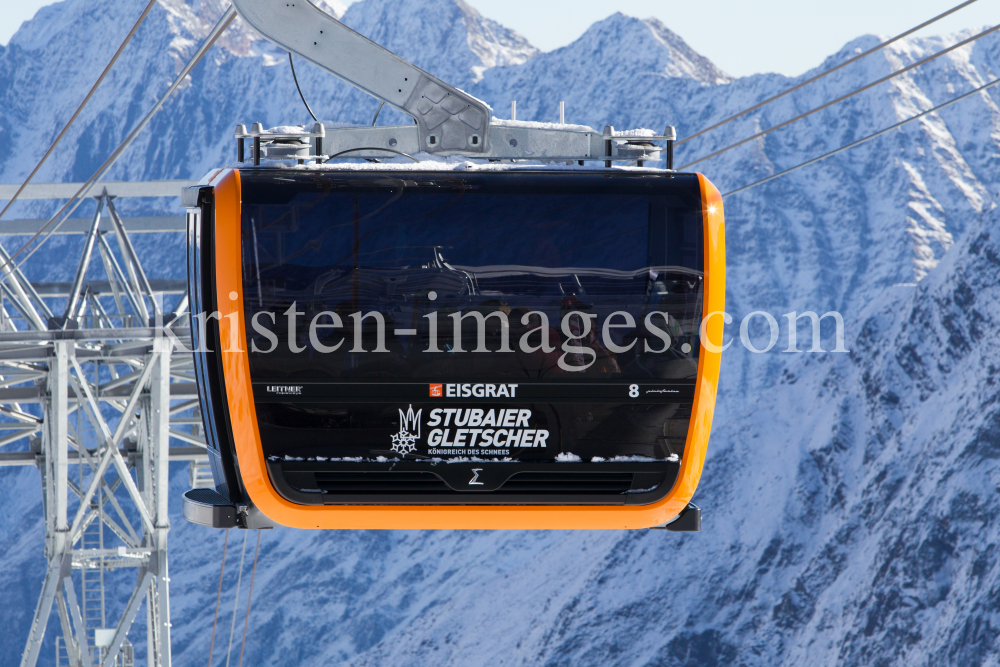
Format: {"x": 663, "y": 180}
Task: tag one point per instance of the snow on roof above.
{"x": 500, "y": 122}
{"x": 288, "y": 129}
{"x": 428, "y": 162}
{"x": 639, "y": 132}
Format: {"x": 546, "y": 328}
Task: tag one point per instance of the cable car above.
{"x": 485, "y": 348}
{"x": 449, "y": 344}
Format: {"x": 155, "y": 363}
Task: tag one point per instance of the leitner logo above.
{"x": 285, "y": 389}
{"x": 436, "y": 390}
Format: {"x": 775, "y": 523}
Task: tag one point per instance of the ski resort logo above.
{"x": 483, "y": 431}
{"x": 405, "y": 441}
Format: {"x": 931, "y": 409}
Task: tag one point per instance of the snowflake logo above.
{"x": 405, "y": 441}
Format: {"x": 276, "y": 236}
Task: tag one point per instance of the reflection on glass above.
{"x": 544, "y": 279}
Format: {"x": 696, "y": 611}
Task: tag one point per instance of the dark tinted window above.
{"x": 498, "y": 278}
{"x": 456, "y": 260}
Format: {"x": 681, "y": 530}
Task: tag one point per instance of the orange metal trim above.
{"x": 250, "y": 455}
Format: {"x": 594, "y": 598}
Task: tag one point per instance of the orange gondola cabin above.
{"x": 481, "y": 348}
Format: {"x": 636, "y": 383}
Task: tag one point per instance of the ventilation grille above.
{"x": 557, "y": 482}
{"x": 381, "y": 483}
{"x": 415, "y": 483}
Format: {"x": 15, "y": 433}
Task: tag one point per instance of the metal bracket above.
{"x": 508, "y": 141}
{"x": 688, "y": 521}
{"x": 449, "y": 120}
{"x": 281, "y": 145}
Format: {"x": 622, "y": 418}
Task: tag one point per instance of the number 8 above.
{"x": 633, "y": 391}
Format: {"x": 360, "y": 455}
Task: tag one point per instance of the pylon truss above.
{"x": 92, "y": 391}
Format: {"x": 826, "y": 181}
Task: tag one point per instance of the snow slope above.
{"x": 849, "y": 499}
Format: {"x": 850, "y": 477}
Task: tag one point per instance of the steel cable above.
{"x": 69, "y": 207}
{"x": 296, "y": 79}
{"x": 236, "y": 599}
{"x": 864, "y": 139}
{"x": 370, "y": 148}
{"x": 843, "y": 97}
{"x": 377, "y": 112}
{"x": 93, "y": 89}
{"x": 218, "y": 598}
{"x": 829, "y": 71}
{"x": 253, "y": 575}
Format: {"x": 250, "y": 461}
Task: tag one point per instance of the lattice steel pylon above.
{"x": 97, "y": 387}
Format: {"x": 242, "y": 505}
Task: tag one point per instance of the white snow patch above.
{"x": 639, "y": 132}
{"x": 474, "y": 459}
{"x": 641, "y": 459}
{"x": 427, "y": 162}
{"x": 289, "y": 129}
{"x": 536, "y": 125}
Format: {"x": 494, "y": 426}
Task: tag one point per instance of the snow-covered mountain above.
{"x": 850, "y": 499}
